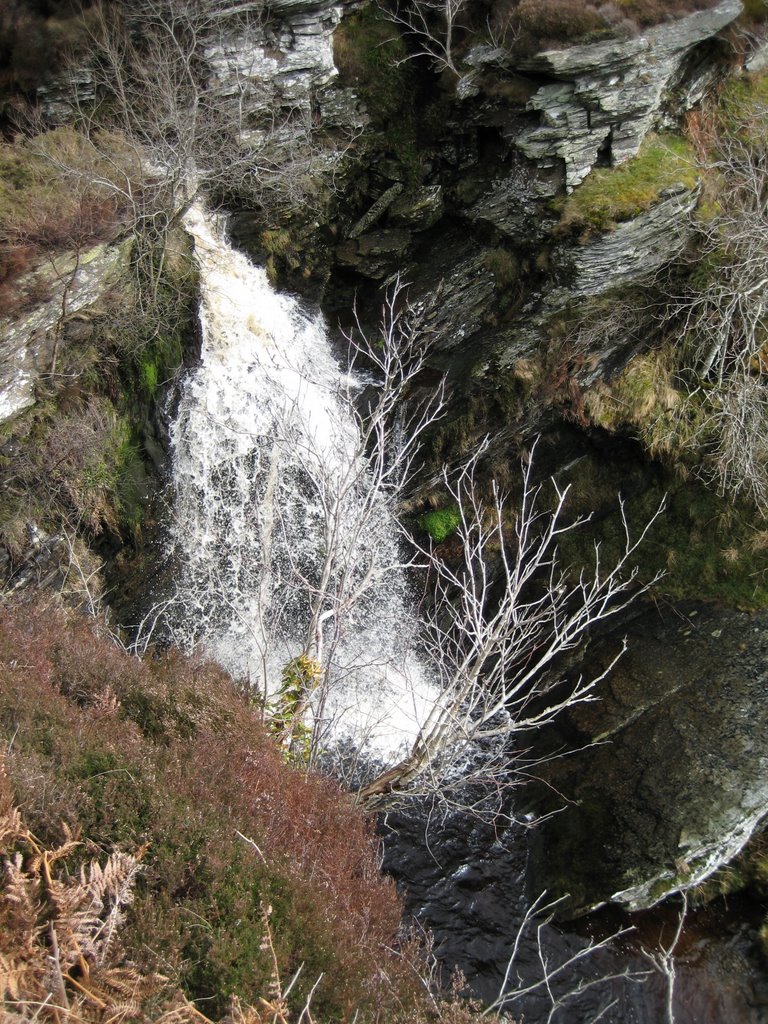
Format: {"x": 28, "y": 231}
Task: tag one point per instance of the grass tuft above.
{"x": 610, "y": 195}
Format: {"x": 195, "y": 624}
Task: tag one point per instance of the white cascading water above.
{"x": 257, "y": 421}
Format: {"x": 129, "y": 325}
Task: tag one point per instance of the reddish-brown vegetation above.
{"x": 45, "y": 211}
{"x": 166, "y": 754}
{"x": 528, "y": 26}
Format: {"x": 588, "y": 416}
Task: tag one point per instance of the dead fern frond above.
{"x": 11, "y": 828}
{"x": 239, "y": 1014}
{"x": 119, "y": 1012}
{"x": 111, "y": 889}
{"x": 183, "y": 1012}
{"x": 22, "y": 905}
{"x": 57, "y": 932}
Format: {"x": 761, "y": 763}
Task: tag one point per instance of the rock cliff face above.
{"x": 603, "y": 98}
{"x": 289, "y": 56}
{"x": 492, "y": 153}
{"x": 679, "y": 780}
{"x": 27, "y": 342}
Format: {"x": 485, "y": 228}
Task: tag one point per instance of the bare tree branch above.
{"x": 501, "y": 618}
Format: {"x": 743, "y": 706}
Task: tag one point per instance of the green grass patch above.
{"x": 743, "y": 108}
{"x": 610, "y": 195}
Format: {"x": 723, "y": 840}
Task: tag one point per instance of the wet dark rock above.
{"x": 678, "y": 780}
{"x": 465, "y": 881}
{"x": 454, "y": 292}
{"x": 511, "y": 203}
{"x": 419, "y": 209}
{"x": 374, "y": 254}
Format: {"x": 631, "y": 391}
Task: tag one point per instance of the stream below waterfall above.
{"x": 262, "y": 435}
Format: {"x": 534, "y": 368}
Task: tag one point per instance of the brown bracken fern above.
{"x": 60, "y": 961}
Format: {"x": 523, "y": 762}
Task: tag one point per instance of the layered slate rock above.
{"x": 632, "y": 251}
{"x": 292, "y": 53}
{"x": 66, "y": 93}
{"x": 27, "y": 341}
{"x": 601, "y": 99}
{"x": 676, "y": 780}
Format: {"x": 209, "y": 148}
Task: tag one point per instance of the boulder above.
{"x": 670, "y": 777}
{"x": 374, "y": 254}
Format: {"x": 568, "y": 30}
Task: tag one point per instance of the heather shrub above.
{"x": 653, "y": 12}
{"x": 529, "y": 26}
{"x": 165, "y": 755}
{"x": 45, "y": 209}
{"x": 557, "y": 19}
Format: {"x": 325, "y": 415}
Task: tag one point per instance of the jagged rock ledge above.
{"x": 636, "y": 249}
{"x": 603, "y": 98}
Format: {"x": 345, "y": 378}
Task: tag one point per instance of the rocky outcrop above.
{"x": 64, "y": 94}
{"x": 598, "y": 101}
{"x": 285, "y": 59}
{"x": 27, "y": 342}
{"x": 633, "y": 251}
{"x": 678, "y": 779}
{"x": 419, "y": 209}
{"x": 375, "y": 253}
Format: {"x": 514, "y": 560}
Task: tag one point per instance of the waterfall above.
{"x": 261, "y": 444}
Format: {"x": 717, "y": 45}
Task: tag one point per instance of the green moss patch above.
{"x": 609, "y": 196}
{"x": 708, "y": 548}
{"x": 440, "y": 523}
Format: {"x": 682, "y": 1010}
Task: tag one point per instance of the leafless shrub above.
{"x": 501, "y": 619}
{"x": 721, "y": 314}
